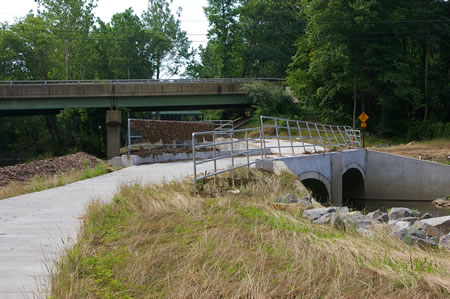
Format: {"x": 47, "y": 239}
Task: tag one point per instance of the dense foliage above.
{"x": 64, "y": 41}
{"x": 389, "y": 58}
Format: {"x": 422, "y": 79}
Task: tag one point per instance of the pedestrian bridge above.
{"x": 329, "y": 161}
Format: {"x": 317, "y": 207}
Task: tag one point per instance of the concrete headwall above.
{"x": 392, "y": 177}
{"x": 328, "y": 168}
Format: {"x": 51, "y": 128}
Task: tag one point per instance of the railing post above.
{"x": 129, "y": 137}
{"x": 232, "y": 157}
{"x": 328, "y": 137}
{"x": 195, "y": 163}
{"x": 290, "y": 136}
{"x": 278, "y": 137}
{"x": 262, "y": 138}
{"x": 344, "y": 140}
{"x": 300, "y": 135}
{"x": 247, "y": 150}
{"x": 311, "y": 136}
{"x": 214, "y": 156}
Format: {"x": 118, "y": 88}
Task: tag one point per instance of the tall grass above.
{"x": 39, "y": 183}
{"x": 166, "y": 242}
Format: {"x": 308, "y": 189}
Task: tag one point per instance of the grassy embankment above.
{"x": 166, "y": 242}
{"x": 39, "y": 183}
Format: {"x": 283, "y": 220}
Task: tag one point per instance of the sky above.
{"x": 193, "y": 20}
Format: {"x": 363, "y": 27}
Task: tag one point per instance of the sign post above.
{"x": 363, "y": 117}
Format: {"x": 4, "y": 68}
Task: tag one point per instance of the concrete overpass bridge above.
{"x": 43, "y": 97}
{"x": 176, "y": 94}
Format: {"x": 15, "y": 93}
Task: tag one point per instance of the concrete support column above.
{"x": 113, "y": 121}
{"x": 336, "y": 179}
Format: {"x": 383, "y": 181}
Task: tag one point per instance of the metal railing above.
{"x": 286, "y": 136}
{"x": 139, "y": 81}
{"x": 223, "y": 124}
{"x": 301, "y": 137}
{"x": 225, "y": 145}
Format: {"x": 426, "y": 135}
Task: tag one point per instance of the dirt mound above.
{"x": 59, "y": 165}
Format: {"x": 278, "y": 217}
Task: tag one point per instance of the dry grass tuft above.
{"x": 44, "y": 182}
{"x": 165, "y": 241}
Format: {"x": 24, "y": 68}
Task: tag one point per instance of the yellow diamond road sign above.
{"x": 363, "y": 117}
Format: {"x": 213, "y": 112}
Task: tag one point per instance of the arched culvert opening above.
{"x": 353, "y": 190}
{"x": 318, "y": 189}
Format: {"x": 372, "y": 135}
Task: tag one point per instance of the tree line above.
{"x": 63, "y": 40}
{"x": 389, "y": 58}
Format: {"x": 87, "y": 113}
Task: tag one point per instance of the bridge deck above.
{"x": 163, "y": 94}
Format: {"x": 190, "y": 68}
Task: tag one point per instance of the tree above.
{"x": 374, "y": 51}
{"x": 168, "y": 45}
{"x": 220, "y": 55}
{"x": 121, "y": 45}
{"x": 71, "y": 21}
{"x": 27, "y": 50}
{"x": 269, "y": 30}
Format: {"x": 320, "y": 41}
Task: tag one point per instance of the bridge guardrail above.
{"x": 138, "y": 81}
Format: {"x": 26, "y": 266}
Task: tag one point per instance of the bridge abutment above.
{"x": 113, "y": 121}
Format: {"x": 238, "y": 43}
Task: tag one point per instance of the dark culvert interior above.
{"x": 318, "y": 190}
{"x": 353, "y": 191}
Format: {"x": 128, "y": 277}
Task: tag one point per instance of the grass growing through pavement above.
{"x": 166, "y": 242}
{"x": 39, "y": 183}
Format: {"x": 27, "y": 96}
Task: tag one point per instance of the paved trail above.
{"x": 34, "y": 227}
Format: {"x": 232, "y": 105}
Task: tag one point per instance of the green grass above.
{"x": 164, "y": 241}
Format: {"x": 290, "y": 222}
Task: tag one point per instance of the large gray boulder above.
{"x": 426, "y": 216}
{"x": 324, "y": 219}
{"x": 306, "y": 202}
{"x": 289, "y": 198}
{"x": 411, "y": 220}
{"x": 399, "y": 225}
{"x": 397, "y": 213}
{"x": 341, "y": 220}
{"x": 411, "y": 236}
{"x": 438, "y": 226}
{"x": 313, "y": 214}
{"x": 374, "y": 215}
{"x": 444, "y": 242}
{"x": 383, "y": 218}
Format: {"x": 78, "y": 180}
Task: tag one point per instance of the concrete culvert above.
{"x": 318, "y": 190}
{"x": 352, "y": 186}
